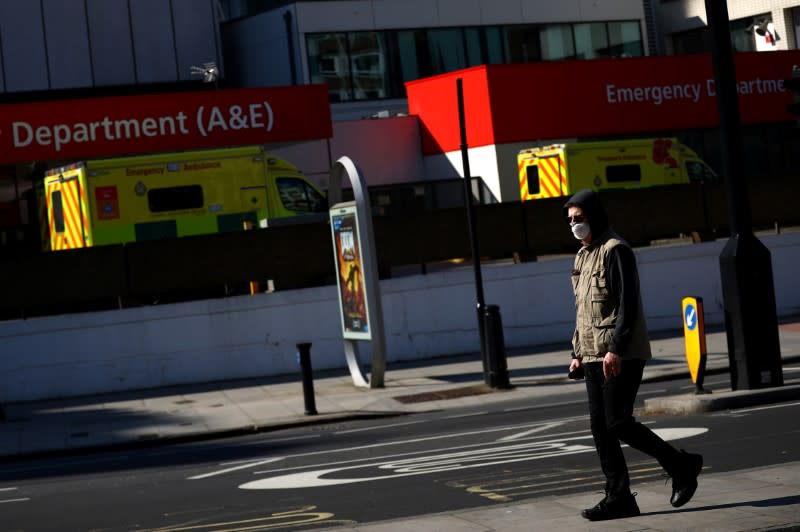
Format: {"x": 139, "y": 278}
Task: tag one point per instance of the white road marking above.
{"x": 465, "y": 415}
{"x": 534, "y": 430}
{"x": 14, "y": 500}
{"x": 236, "y": 468}
{"x": 379, "y": 427}
{"x": 255, "y": 463}
{"x": 450, "y": 460}
{"x": 9, "y": 489}
{"x": 544, "y": 405}
{"x": 295, "y": 438}
{"x": 755, "y": 409}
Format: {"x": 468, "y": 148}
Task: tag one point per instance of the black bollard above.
{"x": 495, "y": 348}
{"x": 304, "y": 357}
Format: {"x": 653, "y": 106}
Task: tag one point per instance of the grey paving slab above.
{"x": 754, "y": 499}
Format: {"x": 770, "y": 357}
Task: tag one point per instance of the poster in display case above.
{"x": 350, "y": 273}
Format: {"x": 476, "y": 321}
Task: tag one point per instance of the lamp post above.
{"x": 490, "y": 326}
{"x": 748, "y": 289}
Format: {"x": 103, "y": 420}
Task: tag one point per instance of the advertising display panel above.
{"x": 350, "y": 273}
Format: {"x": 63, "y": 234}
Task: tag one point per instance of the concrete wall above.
{"x": 425, "y": 316}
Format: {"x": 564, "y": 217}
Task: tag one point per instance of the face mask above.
{"x": 580, "y": 231}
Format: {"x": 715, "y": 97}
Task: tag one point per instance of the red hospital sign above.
{"x": 594, "y": 98}
{"x": 126, "y": 125}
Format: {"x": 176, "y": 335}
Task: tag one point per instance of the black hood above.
{"x": 592, "y": 206}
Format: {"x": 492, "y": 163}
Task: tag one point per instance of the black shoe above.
{"x": 684, "y": 482}
{"x": 612, "y": 509}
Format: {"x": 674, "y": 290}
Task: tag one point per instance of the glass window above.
{"x": 175, "y": 198}
{"x": 328, "y": 63}
{"x": 521, "y": 44}
{"x": 742, "y": 32}
{"x": 625, "y": 39}
{"x": 58, "y": 211}
{"x": 796, "y": 18}
{"x": 368, "y": 65}
{"x": 699, "y": 172}
{"x": 414, "y": 59}
{"x": 696, "y": 171}
{"x": 298, "y": 196}
{"x": 622, "y": 173}
{"x": 532, "y": 174}
{"x": 494, "y": 46}
{"x": 472, "y": 39}
{"x": 591, "y": 40}
{"x": 691, "y": 42}
{"x": 446, "y": 49}
{"x": 556, "y": 42}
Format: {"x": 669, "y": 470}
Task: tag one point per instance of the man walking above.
{"x": 611, "y": 348}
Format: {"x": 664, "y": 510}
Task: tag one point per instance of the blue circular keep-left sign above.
{"x": 690, "y": 317}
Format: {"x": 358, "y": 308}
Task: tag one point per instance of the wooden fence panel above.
{"x": 296, "y": 256}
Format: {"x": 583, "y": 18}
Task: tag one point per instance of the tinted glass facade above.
{"x": 370, "y": 65}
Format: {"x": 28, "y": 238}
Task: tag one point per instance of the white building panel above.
{"x": 408, "y": 14}
{"x": 590, "y": 10}
{"x": 501, "y": 11}
{"x": 563, "y": 11}
{"x": 394, "y": 158}
{"x": 154, "y": 41}
{"x": 196, "y": 35}
{"x": 459, "y": 12}
{"x": 256, "y": 51}
{"x": 111, "y": 42}
{"x": 317, "y": 17}
{"x": 23, "y": 45}
{"x": 67, "y": 40}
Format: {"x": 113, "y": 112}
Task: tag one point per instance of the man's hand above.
{"x": 612, "y": 364}
{"x": 575, "y": 364}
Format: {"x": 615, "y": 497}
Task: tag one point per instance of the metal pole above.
{"x": 748, "y": 289}
{"x": 472, "y": 227}
{"x": 493, "y": 357}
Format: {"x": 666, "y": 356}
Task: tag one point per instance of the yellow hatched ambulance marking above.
{"x": 84, "y": 210}
{"x": 548, "y": 178}
{"x": 562, "y": 172}
{"x": 57, "y": 238}
{"x": 523, "y": 180}
{"x": 72, "y": 215}
{"x": 75, "y": 219}
{"x": 45, "y": 230}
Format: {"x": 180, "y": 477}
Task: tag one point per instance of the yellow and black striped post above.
{"x": 695, "y": 338}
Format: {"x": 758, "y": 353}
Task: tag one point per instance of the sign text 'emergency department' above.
{"x": 105, "y": 127}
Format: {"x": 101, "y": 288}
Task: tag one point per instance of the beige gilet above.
{"x": 596, "y": 308}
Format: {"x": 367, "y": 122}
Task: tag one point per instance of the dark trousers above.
{"x": 611, "y": 417}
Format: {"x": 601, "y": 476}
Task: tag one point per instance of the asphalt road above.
{"x": 320, "y": 476}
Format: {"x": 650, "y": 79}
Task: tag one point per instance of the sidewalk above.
{"x": 184, "y": 413}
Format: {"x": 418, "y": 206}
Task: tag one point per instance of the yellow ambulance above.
{"x": 147, "y": 197}
{"x": 563, "y": 169}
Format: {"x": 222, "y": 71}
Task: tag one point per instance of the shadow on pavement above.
{"x": 764, "y": 503}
